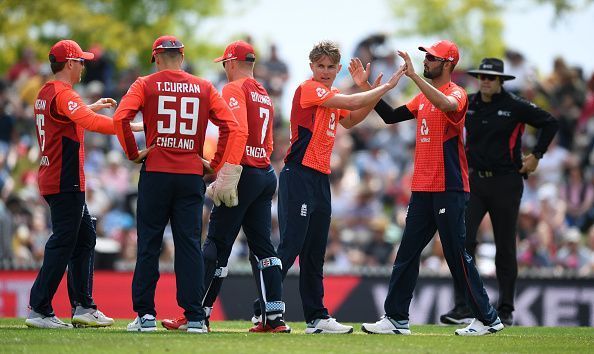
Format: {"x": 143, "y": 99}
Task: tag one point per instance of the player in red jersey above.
{"x": 254, "y": 111}
{"x": 439, "y": 191}
{"x": 176, "y": 108}
{"x": 304, "y": 187}
{"x": 61, "y": 119}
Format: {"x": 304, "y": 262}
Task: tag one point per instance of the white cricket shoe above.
{"x": 37, "y": 320}
{"x": 196, "y": 327}
{"x": 477, "y": 328}
{"x": 84, "y": 317}
{"x": 387, "y": 325}
{"x": 146, "y": 323}
{"x": 256, "y": 319}
{"x": 328, "y": 326}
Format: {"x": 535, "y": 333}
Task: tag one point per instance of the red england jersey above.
{"x": 252, "y": 107}
{"x": 61, "y": 118}
{"x": 440, "y": 159}
{"x": 313, "y": 127}
{"x": 176, "y": 107}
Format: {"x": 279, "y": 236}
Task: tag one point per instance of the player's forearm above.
{"x": 238, "y": 146}
{"x": 94, "y": 122}
{"x": 121, "y": 125}
{"x": 392, "y": 115}
{"x": 439, "y": 100}
{"x": 357, "y": 116}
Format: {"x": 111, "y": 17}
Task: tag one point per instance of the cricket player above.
{"x": 254, "y": 112}
{"x": 176, "y": 108}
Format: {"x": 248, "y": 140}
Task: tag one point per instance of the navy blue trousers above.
{"x": 429, "y": 212}
{"x": 256, "y": 189}
{"x": 175, "y": 198}
{"x": 304, "y": 210}
{"x": 72, "y": 245}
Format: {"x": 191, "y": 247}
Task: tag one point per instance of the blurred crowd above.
{"x": 370, "y": 180}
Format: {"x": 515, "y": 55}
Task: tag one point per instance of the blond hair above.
{"x": 325, "y": 48}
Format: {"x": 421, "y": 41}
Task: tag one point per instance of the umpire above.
{"x": 494, "y": 125}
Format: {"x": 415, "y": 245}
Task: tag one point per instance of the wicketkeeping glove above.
{"x": 210, "y": 192}
{"x": 225, "y": 187}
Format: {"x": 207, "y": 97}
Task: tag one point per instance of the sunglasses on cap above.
{"x": 431, "y": 57}
{"x": 169, "y": 44}
{"x": 487, "y": 77}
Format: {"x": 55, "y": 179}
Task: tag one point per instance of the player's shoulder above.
{"x": 62, "y": 89}
{"x": 239, "y": 84}
{"x": 452, "y": 89}
{"x": 315, "y": 88}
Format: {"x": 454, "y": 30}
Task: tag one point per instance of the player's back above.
{"x": 61, "y": 142}
{"x": 175, "y": 113}
{"x": 260, "y": 123}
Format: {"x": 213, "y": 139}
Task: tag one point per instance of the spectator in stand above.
{"x": 101, "y": 69}
{"x": 379, "y": 251}
{"x": 578, "y": 192}
{"x": 517, "y": 66}
{"x": 273, "y": 73}
{"x": 586, "y": 124}
{"x": 572, "y": 255}
{"x": 25, "y": 67}
{"x": 538, "y": 250}
{"x": 590, "y": 244}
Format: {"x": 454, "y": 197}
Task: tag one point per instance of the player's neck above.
{"x": 64, "y": 76}
{"x": 242, "y": 74}
{"x": 441, "y": 80}
{"x": 169, "y": 66}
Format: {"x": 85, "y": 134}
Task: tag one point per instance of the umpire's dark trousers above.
{"x": 72, "y": 245}
{"x": 304, "y": 211}
{"x": 175, "y": 198}
{"x": 429, "y": 212}
{"x": 500, "y": 196}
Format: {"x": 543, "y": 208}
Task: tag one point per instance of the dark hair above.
{"x": 55, "y": 66}
{"x": 169, "y": 55}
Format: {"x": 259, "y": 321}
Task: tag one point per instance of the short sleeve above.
{"x": 314, "y": 94}
{"x": 461, "y": 97}
{"x": 413, "y": 105}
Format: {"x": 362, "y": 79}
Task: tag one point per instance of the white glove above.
{"x": 225, "y": 186}
{"x": 210, "y": 192}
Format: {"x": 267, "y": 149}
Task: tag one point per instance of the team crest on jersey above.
{"x": 421, "y": 106}
{"x": 72, "y": 106}
{"x": 321, "y": 92}
{"x": 424, "y": 127}
{"x": 233, "y": 103}
{"x": 332, "y": 121}
{"x": 457, "y": 94}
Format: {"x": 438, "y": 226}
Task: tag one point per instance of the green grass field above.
{"x": 232, "y": 337}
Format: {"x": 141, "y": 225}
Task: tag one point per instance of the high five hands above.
{"x": 360, "y": 75}
{"x": 409, "y": 69}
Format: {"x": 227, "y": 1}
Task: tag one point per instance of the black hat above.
{"x": 491, "y": 66}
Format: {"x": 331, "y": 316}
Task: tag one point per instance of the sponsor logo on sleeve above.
{"x": 233, "y": 103}
{"x": 321, "y": 92}
{"x": 73, "y": 106}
